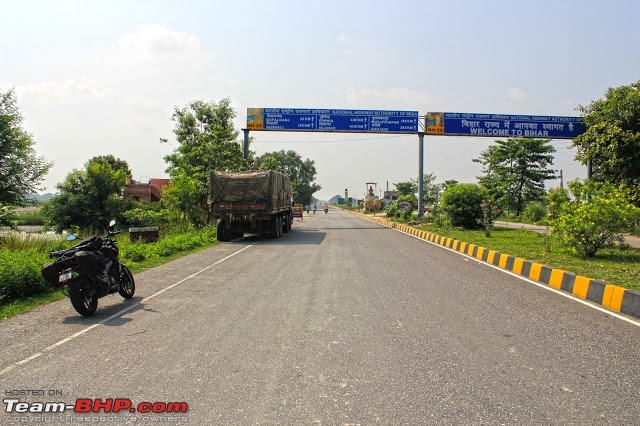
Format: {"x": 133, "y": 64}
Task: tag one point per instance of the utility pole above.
{"x": 420, "y": 173}
{"x": 561, "y": 180}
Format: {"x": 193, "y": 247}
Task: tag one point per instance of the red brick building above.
{"x": 147, "y": 192}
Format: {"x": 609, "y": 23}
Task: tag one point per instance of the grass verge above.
{"x": 147, "y": 257}
{"x": 617, "y": 265}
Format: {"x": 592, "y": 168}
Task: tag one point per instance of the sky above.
{"x": 104, "y": 77}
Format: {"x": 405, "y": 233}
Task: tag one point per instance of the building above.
{"x": 390, "y": 197}
{"x": 148, "y": 192}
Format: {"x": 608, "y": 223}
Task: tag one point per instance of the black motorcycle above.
{"x": 90, "y": 270}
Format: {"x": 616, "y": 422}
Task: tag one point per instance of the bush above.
{"x": 461, "y": 204}
{"x": 147, "y": 216}
{"x": 597, "y": 216}
{"x": 7, "y": 216}
{"x": 534, "y": 213}
{"x": 372, "y": 206}
{"x": 392, "y": 210}
{"x": 556, "y": 198}
{"x": 20, "y": 275}
{"x": 167, "y": 246}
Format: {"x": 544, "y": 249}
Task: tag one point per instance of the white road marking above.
{"x": 541, "y": 285}
{"x": 117, "y": 314}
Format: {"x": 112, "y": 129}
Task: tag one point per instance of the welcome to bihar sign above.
{"x": 501, "y": 125}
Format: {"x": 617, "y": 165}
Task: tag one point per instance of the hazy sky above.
{"x": 103, "y": 77}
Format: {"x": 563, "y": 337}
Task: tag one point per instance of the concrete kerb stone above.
{"x": 610, "y": 296}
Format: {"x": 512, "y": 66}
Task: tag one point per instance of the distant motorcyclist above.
{"x": 326, "y": 208}
{"x": 315, "y": 208}
{"x": 307, "y": 208}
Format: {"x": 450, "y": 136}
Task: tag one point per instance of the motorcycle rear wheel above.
{"x": 127, "y": 284}
{"x": 78, "y": 294}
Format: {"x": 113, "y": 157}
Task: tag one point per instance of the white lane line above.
{"x": 117, "y": 314}
{"x": 541, "y": 285}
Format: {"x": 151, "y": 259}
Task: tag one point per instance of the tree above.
{"x": 182, "y": 196}
{"x": 207, "y": 139}
{"x": 301, "y": 172}
{"x": 612, "y": 138}
{"x": 89, "y": 198}
{"x": 115, "y": 163}
{"x": 515, "y": 171}
{"x": 21, "y": 170}
{"x": 462, "y": 203}
{"x": 430, "y": 189}
{"x": 406, "y": 188}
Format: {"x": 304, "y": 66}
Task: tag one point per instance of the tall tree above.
{"x": 515, "y": 171}
{"x": 431, "y": 190}
{"x": 208, "y": 141}
{"x": 301, "y": 172}
{"x": 21, "y": 169}
{"x": 88, "y": 198}
{"x": 405, "y": 188}
{"x": 115, "y": 163}
{"x": 612, "y": 138}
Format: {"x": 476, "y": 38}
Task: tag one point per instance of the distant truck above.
{"x": 257, "y": 202}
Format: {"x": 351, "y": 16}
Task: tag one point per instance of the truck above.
{"x": 256, "y": 202}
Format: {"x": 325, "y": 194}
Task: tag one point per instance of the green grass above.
{"x": 29, "y": 218}
{"x": 22, "y": 306}
{"x": 22, "y": 288}
{"x": 617, "y": 266}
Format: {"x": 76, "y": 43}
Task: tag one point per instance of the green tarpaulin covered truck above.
{"x": 257, "y": 202}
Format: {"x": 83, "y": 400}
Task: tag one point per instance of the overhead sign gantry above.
{"x": 407, "y": 122}
{"x": 503, "y": 125}
{"x": 332, "y": 120}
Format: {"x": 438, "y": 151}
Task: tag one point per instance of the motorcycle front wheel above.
{"x": 127, "y": 284}
{"x": 84, "y": 304}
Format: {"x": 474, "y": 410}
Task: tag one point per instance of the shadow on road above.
{"x": 104, "y": 312}
{"x": 298, "y": 236}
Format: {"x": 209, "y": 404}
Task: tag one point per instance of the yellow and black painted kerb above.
{"x": 610, "y": 296}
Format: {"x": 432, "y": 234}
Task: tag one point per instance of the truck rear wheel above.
{"x": 276, "y": 226}
{"x": 222, "y": 234}
{"x": 286, "y": 223}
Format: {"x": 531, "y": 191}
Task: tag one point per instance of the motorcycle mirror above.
{"x": 113, "y": 222}
{"x": 71, "y": 237}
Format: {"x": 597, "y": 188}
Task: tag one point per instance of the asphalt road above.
{"x": 341, "y": 321}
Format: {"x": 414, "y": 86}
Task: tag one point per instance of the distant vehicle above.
{"x": 257, "y": 202}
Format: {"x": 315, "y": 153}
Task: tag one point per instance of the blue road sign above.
{"x": 332, "y": 120}
{"x": 502, "y": 125}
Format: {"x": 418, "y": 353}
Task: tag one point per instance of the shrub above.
{"x": 147, "y": 217}
{"x": 461, "y": 204}
{"x": 534, "y": 213}
{"x": 596, "y": 217}
{"x": 7, "y": 216}
{"x": 556, "y": 198}
{"x": 392, "y": 210}
{"x": 372, "y": 206}
{"x": 489, "y": 213}
{"x": 20, "y": 275}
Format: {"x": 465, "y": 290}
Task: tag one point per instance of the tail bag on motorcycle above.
{"x": 83, "y": 262}
{"x": 50, "y": 272}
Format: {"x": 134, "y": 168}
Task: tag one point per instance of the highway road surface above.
{"x": 340, "y": 321}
